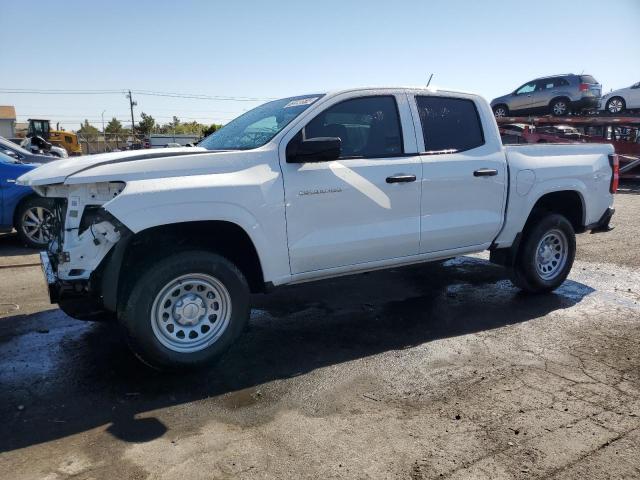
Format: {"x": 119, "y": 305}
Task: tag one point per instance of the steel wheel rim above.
{"x": 615, "y": 105}
{"x": 552, "y": 253}
{"x": 500, "y": 112}
{"x": 196, "y": 304}
{"x": 36, "y": 224}
{"x": 559, "y": 108}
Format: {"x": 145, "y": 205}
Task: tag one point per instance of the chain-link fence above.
{"x": 117, "y": 142}
{"x": 111, "y": 143}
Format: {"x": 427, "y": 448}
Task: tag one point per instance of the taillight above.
{"x": 584, "y": 87}
{"x": 614, "y": 161}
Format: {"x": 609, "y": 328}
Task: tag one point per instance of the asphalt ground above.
{"x": 441, "y": 370}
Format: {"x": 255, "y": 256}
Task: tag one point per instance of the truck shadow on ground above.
{"x": 60, "y": 377}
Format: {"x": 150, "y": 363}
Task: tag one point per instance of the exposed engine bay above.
{"x": 83, "y": 232}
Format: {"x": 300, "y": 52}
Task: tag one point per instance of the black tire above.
{"x": 34, "y": 236}
{"x": 500, "y": 111}
{"x": 617, "y": 99}
{"x": 135, "y": 315}
{"x": 525, "y": 273}
{"x": 559, "y": 107}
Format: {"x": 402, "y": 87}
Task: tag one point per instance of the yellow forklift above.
{"x": 60, "y": 138}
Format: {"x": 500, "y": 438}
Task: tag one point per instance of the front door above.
{"x": 522, "y": 98}
{"x": 464, "y": 176}
{"x": 365, "y": 206}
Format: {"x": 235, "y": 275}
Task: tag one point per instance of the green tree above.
{"x": 211, "y": 129}
{"x": 114, "y": 128}
{"x": 146, "y": 125}
{"x": 88, "y": 131}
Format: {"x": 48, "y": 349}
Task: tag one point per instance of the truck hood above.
{"x": 61, "y": 171}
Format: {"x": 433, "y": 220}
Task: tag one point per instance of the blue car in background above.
{"x": 21, "y": 208}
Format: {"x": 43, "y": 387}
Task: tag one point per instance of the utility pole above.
{"x": 104, "y": 134}
{"x": 133, "y": 122}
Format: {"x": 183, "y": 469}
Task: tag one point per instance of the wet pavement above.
{"x": 432, "y": 371}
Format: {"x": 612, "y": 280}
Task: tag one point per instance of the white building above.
{"x": 7, "y": 121}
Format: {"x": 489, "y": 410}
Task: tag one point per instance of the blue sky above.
{"x": 275, "y": 49}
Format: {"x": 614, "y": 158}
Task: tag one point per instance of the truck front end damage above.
{"x": 83, "y": 234}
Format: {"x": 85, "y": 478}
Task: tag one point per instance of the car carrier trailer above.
{"x": 623, "y": 132}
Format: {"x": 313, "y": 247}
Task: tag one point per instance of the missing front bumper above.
{"x": 49, "y": 277}
{"x": 73, "y": 297}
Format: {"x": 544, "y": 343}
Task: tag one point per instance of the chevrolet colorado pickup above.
{"x": 171, "y": 243}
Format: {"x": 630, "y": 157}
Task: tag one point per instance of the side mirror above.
{"x": 321, "y": 149}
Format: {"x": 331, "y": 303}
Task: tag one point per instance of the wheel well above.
{"x": 567, "y": 203}
{"x": 19, "y": 205}
{"x": 225, "y": 238}
{"x": 501, "y": 105}
{"x": 617, "y": 96}
{"x": 562, "y": 97}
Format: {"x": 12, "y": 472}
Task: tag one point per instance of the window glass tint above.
{"x": 544, "y": 84}
{"x": 368, "y": 127}
{"x": 449, "y": 124}
{"x": 528, "y": 88}
{"x": 587, "y": 79}
{"x": 256, "y": 127}
{"x": 561, "y": 82}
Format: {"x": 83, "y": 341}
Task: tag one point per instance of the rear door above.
{"x": 546, "y": 90}
{"x": 464, "y": 173}
{"x": 365, "y": 206}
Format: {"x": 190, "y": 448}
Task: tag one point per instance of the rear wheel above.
{"x": 546, "y": 254}
{"x": 616, "y": 105}
{"x": 34, "y": 222}
{"x": 559, "y": 107}
{"x": 185, "y": 310}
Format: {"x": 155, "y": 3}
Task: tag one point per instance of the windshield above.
{"x": 9, "y": 145}
{"x": 256, "y": 127}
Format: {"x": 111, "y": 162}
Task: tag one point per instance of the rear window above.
{"x": 449, "y": 124}
{"x": 587, "y": 79}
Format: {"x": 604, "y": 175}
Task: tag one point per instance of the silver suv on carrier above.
{"x": 557, "y": 94}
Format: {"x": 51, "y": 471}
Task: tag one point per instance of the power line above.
{"x": 117, "y": 116}
{"x": 153, "y": 93}
{"x": 60, "y": 92}
{"x": 199, "y": 96}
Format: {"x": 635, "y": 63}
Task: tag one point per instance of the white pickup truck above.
{"x": 171, "y": 243}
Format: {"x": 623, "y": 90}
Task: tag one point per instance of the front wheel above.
{"x": 34, "y": 222}
{"x": 185, "y": 310}
{"x": 546, "y": 254}
{"x": 500, "y": 111}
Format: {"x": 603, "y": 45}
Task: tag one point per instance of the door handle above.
{"x": 485, "y": 172}
{"x": 401, "y": 178}
{"x": 11, "y": 180}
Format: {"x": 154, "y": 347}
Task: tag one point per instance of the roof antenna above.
{"x": 429, "y": 82}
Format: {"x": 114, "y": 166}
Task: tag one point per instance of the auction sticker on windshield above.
{"x": 300, "y": 102}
